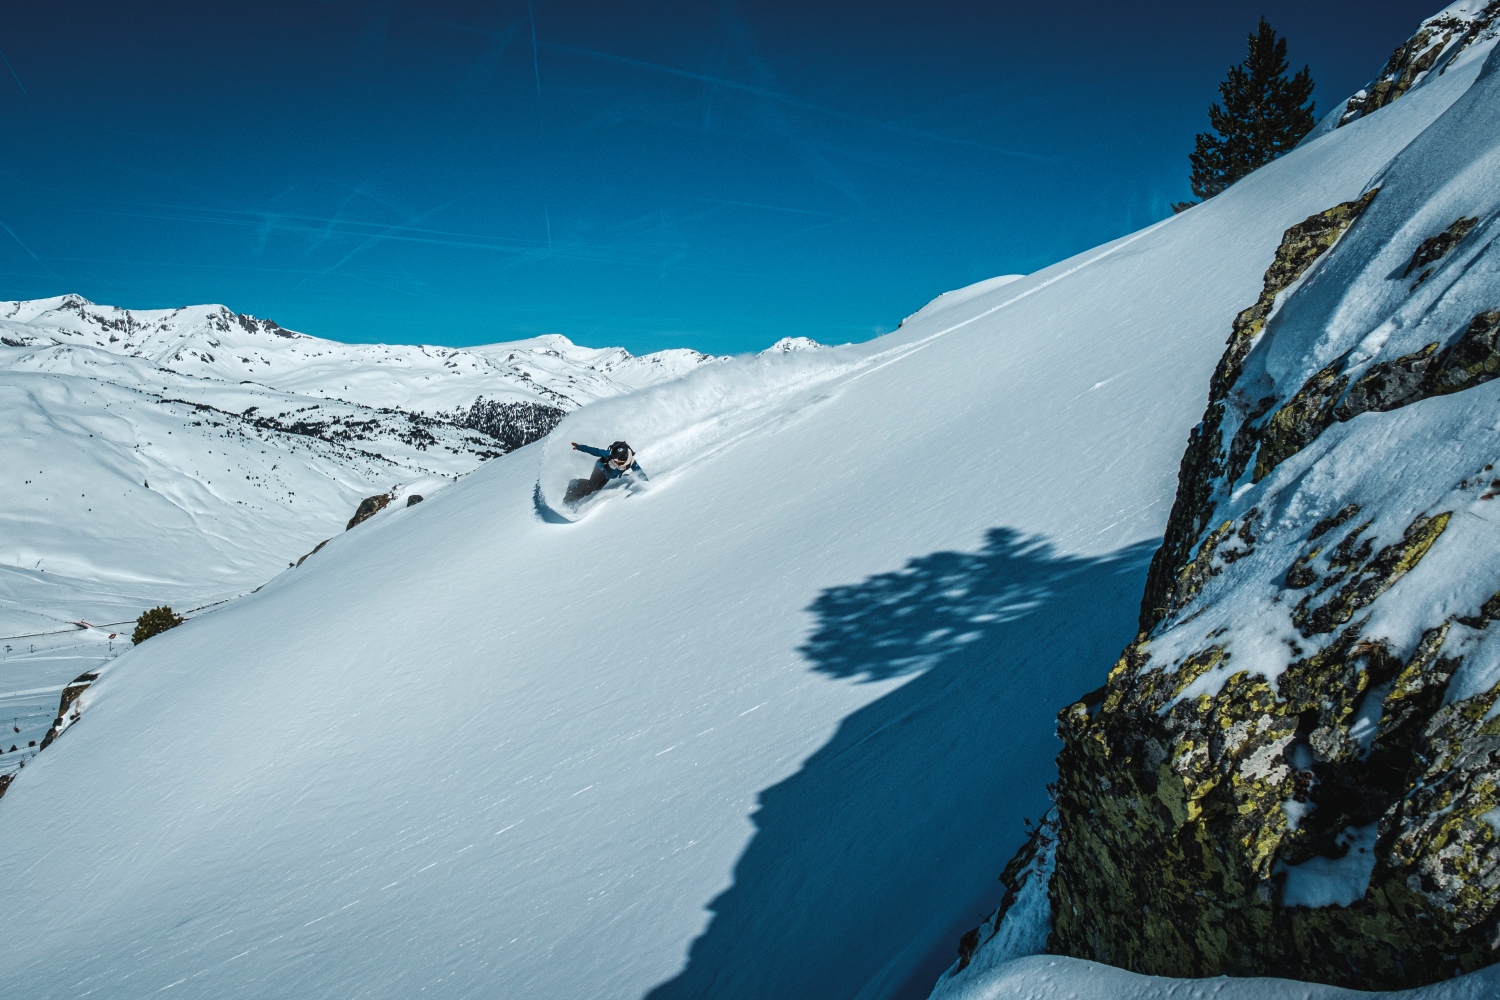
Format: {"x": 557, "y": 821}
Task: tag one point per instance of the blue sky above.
{"x": 654, "y": 174}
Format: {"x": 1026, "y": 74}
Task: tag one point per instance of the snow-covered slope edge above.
{"x": 1439, "y": 40}
{"x": 1293, "y": 769}
{"x": 734, "y": 735}
{"x": 186, "y": 456}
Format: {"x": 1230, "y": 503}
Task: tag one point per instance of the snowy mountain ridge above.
{"x": 213, "y": 342}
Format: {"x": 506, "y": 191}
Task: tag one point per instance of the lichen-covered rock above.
{"x": 1435, "y": 247}
{"x": 1207, "y": 457}
{"x": 1301, "y": 419}
{"x": 1471, "y": 360}
{"x": 1474, "y": 358}
{"x": 1388, "y": 385}
{"x": 1436, "y": 42}
{"x": 1316, "y": 683}
{"x": 1184, "y": 801}
{"x": 1294, "y": 768}
{"x": 1361, "y": 577}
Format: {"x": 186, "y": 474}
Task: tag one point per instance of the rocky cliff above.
{"x": 1295, "y": 767}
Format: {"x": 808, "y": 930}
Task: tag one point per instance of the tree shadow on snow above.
{"x": 870, "y": 861}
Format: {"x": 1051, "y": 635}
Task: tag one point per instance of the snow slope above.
{"x": 1049, "y": 977}
{"x": 186, "y": 456}
{"x": 747, "y": 733}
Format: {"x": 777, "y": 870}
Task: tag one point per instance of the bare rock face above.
{"x": 68, "y": 701}
{"x": 368, "y": 508}
{"x": 1437, "y": 41}
{"x": 68, "y": 712}
{"x": 1272, "y": 781}
{"x": 1207, "y": 462}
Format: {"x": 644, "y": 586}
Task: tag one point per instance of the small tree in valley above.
{"x": 1263, "y": 116}
{"x": 154, "y": 622}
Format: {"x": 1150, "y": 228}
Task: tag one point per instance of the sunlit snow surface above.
{"x": 1047, "y": 977}
{"x": 186, "y": 456}
{"x": 766, "y": 729}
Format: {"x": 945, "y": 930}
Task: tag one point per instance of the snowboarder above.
{"x": 613, "y": 463}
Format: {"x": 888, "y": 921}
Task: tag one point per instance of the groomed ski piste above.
{"x": 768, "y": 726}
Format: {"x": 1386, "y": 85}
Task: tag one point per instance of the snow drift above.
{"x": 692, "y": 419}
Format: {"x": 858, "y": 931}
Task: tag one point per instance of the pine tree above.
{"x": 1263, "y": 117}
{"x": 155, "y": 622}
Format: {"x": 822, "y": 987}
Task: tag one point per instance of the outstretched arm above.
{"x": 596, "y": 452}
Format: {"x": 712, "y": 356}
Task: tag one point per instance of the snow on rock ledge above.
{"x": 1318, "y": 672}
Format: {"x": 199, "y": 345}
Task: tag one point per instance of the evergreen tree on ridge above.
{"x": 1263, "y": 116}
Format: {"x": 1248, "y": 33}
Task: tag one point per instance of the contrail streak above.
{"x": 384, "y": 233}
{"x": 791, "y": 102}
{"x": 29, "y": 250}
{"x": 536, "y": 64}
{"x": 17, "y": 78}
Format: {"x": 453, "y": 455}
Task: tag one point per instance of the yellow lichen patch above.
{"x": 1300, "y": 420}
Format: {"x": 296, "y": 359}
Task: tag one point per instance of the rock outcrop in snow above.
{"x": 1295, "y": 768}
{"x": 1437, "y": 42}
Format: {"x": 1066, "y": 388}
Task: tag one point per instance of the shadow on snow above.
{"x": 869, "y": 862}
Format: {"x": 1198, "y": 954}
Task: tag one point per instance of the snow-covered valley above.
{"x": 187, "y": 456}
{"x": 769, "y": 723}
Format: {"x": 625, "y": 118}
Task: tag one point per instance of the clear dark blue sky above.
{"x": 650, "y": 174}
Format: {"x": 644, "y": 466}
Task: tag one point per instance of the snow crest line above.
{"x": 679, "y": 424}
{"x": 916, "y": 346}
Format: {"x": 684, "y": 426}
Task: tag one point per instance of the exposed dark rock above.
{"x": 1205, "y": 461}
{"x": 318, "y": 548}
{"x": 368, "y": 508}
{"x": 68, "y": 701}
{"x": 413, "y": 500}
{"x": 1387, "y": 385}
{"x": 1473, "y": 358}
{"x": 1365, "y": 579}
{"x": 1435, "y": 247}
{"x": 1173, "y": 834}
{"x": 1434, "y": 45}
{"x": 1192, "y": 787}
{"x": 1303, "y": 417}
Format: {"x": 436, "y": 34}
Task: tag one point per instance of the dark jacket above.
{"x": 602, "y": 465}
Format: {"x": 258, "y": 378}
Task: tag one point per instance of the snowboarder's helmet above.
{"x": 620, "y": 451}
